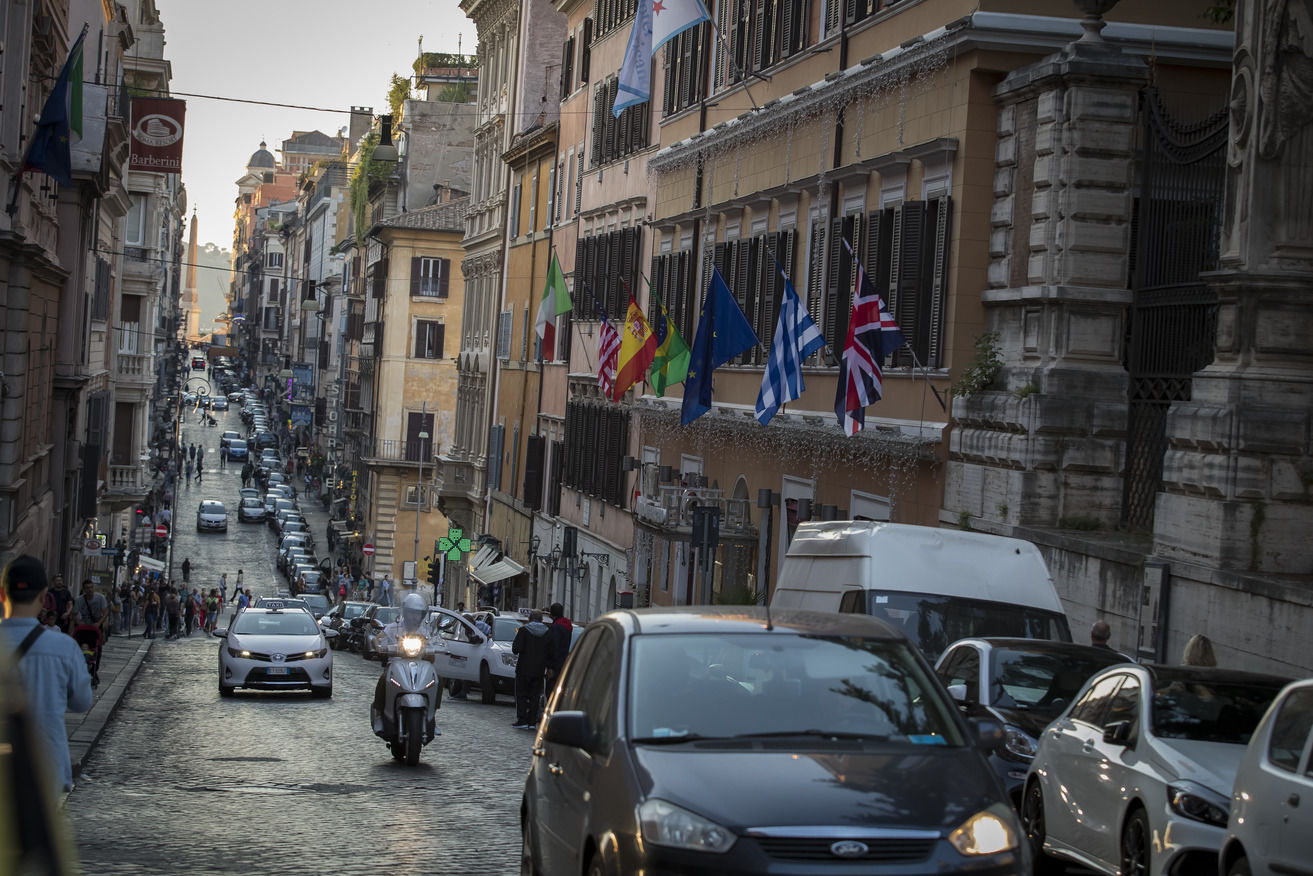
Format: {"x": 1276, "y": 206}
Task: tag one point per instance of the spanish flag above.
{"x": 637, "y": 350}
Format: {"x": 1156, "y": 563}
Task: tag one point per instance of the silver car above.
{"x": 1136, "y": 775}
{"x": 275, "y": 649}
{"x": 211, "y": 516}
{"x": 1269, "y": 831}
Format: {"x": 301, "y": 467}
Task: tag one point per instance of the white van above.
{"x": 936, "y": 585}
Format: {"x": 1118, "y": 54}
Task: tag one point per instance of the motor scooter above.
{"x": 411, "y": 696}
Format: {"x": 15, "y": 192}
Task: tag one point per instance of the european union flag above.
{"x": 723, "y": 333}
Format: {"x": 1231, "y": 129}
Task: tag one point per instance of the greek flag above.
{"x": 796, "y": 337}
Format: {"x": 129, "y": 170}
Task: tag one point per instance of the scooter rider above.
{"x": 411, "y": 622}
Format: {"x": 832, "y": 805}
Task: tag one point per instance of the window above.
{"x": 904, "y": 250}
{"x": 100, "y": 299}
{"x": 579, "y": 180}
{"x": 428, "y": 339}
{"x": 273, "y": 260}
{"x": 567, "y": 67}
{"x": 134, "y": 224}
{"x": 749, "y": 269}
{"x": 1090, "y": 708}
{"x": 596, "y": 440}
{"x": 963, "y": 667}
{"x": 496, "y": 444}
{"x": 759, "y": 34}
{"x": 552, "y": 212}
{"x": 272, "y": 296}
{"x": 419, "y": 449}
{"x": 615, "y": 138}
{"x": 603, "y": 265}
{"x": 504, "y": 334}
{"x": 598, "y": 690}
{"x": 429, "y": 277}
{"x": 1125, "y": 706}
{"x": 675, "y": 281}
{"x": 1290, "y": 730}
{"x": 533, "y": 472}
{"x": 685, "y": 69}
{"x": 613, "y": 13}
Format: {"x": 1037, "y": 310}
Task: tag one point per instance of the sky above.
{"x": 321, "y": 53}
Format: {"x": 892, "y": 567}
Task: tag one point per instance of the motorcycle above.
{"x": 411, "y": 696}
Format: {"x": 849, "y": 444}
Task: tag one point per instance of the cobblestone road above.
{"x": 273, "y": 783}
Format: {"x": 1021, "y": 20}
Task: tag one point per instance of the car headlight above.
{"x": 411, "y": 645}
{"x": 236, "y": 652}
{"x": 1018, "y": 743}
{"x": 1198, "y": 803}
{"x": 988, "y": 832}
{"x": 666, "y": 824}
{"x": 509, "y": 659}
{"x": 320, "y": 653}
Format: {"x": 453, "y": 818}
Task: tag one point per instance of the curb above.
{"x": 83, "y": 740}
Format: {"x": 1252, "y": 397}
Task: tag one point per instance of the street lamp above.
{"x": 419, "y": 497}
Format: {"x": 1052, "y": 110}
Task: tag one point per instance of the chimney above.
{"x": 362, "y": 117}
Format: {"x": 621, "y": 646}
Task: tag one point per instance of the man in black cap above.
{"x": 51, "y": 665}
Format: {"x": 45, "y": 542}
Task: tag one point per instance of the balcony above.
{"x": 141, "y": 261}
{"x": 133, "y": 368}
{"x": 672, "y": 507}
{"x": 459, "y": 483}
{"x": 126, "y": 485}
{"x": 405, "y": 453}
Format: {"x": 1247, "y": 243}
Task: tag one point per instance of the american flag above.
{"x": 872, "y": 336}
{"x": 608, "y": 353}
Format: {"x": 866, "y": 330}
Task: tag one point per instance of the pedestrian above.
{"x": 173, "y": 610}
{"x": 186, "y": 570}
{"x": 1199, "y": 652}
{"x": 187, "y": 470}
{"x": 223, "y": 456}
{"x": 531, "y": 644}
{"x": 560, "y": 634}
{"x": 59, "y": 599}
{"x": 239, "y": 579}
{"x": 385, "y": 591}
{"x": 191, "y": 451}
{"x": 92, "y": 608}
{"x": 152, "y": 612}
{"x": 52, "y": 668}
{"x": 125, "y": 608}
{"x": 1100, "y": 633}
{"x": 341, "y": 588}
{"x": 189, "y": 611}
{"x": 200, "y": 470}
{"x": 369, "y": 594}
{"x": 223, "y": 585}
{"x": 243, "y": 599}
{"x": 211, "y": 611}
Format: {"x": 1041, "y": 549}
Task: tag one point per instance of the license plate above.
{"x": 278, "y": 670}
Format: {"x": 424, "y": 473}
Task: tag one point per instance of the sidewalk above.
{"x": 118, "y": 666}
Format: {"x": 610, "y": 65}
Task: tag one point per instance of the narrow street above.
{"x": 184, "y": 782}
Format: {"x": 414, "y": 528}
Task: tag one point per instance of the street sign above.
{"x": 453, "y": 544}
{"x": 367, "y": 549}
{"x": 161, "y": 530}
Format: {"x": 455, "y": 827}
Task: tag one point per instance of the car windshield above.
{"x": 353, "y": 609}
{"x": 1208, "y": 711}
{"x": 505, "y": 628}
{"x": 752, "y": 684}
{"x": 933, "y": 622}
{"x": 386, "y": 615}
{"x": 236, "y": 444}
{"x": 1042, "y": 681}
{"x": 250, "y": 502}
{"x": 291, "y": 623}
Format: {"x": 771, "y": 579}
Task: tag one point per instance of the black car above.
{"x": 339, "y": 618}
{"x": 722, "y": 740}
{"x": 1022, "y": 683}
{"x": 368, "y": 625}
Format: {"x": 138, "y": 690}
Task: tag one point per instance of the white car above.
{"x": 1135, "y": 776}
{"x": 1270, "y": 832}
{"x": 275, "y": 649}
{"x": 211, "y": 516}
{"x": 474, "y": 657}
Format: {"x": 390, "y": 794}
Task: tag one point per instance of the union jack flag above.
{"x": 872, "y": 336}
{"x": 608, "y": 354}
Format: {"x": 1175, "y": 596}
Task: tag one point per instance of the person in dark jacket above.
{"x": 559, "y": 634}
{"x": 534, "y": 648}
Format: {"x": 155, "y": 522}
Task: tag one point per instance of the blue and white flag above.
{"x": 636, "y": 73}
{"x": 796, "y": 337}
{"x": 656, "y": 22}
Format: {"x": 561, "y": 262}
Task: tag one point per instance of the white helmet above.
{"x": 413, "y": 610}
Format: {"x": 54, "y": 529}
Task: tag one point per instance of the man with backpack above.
{"x": 52, "y": 667}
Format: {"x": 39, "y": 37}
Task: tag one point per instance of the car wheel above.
{"x": 224, "y": 690}
{"x": 322, "y": 693}
{"x": 1135, "y": 844}
{"x": 527, "y": 867}
{"x": 1032, "y": 822}
{"x": 487, "y": 687}
{"x": 595, "y": 865}
{"x": 1240, "y": 867}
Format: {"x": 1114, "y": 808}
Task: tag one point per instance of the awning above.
{"x": 489, "y": 566}
{"x": 148, "y": 563}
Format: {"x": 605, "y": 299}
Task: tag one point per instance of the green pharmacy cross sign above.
{"x": 453, "y": 544}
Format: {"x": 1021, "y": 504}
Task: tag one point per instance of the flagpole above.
{"x": 743, "y": 76}
{"x": 926, "y": 374}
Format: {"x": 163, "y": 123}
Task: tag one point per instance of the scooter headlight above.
{"x": 411, "y": 646}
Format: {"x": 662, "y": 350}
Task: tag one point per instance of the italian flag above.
{"x": 556, "y": 301}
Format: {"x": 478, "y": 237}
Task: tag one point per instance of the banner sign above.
{"x": 303, "y": 380}
{"x": 157, "y": 134}
{"x": 301, "y": 415}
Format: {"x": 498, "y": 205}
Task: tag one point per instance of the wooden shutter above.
{"x": 443, "y": 267}
{"x": 723, "y": 53}
{"x": 941, "y": 222}
{"x": 761, "y": 36}
{"x": 586, "y": 52}
{"x": 669, "y": 97}
{"x": 496, "y": 440}
{"x": 910, "y": 251}
{"x": 793, "y": 27}
{"x": 533, "y": 472}
{"x": 740, "y": 284}
{"x": 600, "y": 116}
{"x": 610, "y": 141}
{"x": 416, "y": 266}
{"x": 439, "y": 336}
{"x": 741, "y": 39}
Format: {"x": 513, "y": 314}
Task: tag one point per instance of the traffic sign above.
{"x": 161, "y": 530}
{"x": 367, "y": 549}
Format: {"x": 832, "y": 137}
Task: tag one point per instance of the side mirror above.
{"x": 570, "y": 728}
{"x": 330, "y": 634}
{"x": 375, "y": 624}
{"x": 958, "y": 692}
{"x": 222, "y": 634}
{"x": 476, "y": 639}
{"x": 1118, "y": 733}
{"x": 989, "y": 734}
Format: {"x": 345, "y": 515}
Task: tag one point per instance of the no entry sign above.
{"x": 367, "y": 550}
{"x": 161, "y": 530}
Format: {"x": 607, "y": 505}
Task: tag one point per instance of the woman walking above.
{"x": 152, "y": 613}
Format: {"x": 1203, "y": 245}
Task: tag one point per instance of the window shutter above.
{"x": 439, "y": 335}
{"x": 624, "y": 132}
{"x": 761, "y": 37}
{"x": 833, "y": 253}
{"x": 832, "y": 8}
{"x": 571, "y": 440}
{"x": 850, "y": 11}
{"x": 816, "y": 276}
{"x": 419, "y": 339}
{"x": 567, "y": 67}
{"x": 610, "y": 144}
{"x": 580, "y": 275}
{"x": 495, "y": 440}
{"x": 554, "y": 481}
{"x": 910, "y": 251}
{"x": 416, "y": 266}
{"x": 533, "y": 472}
{"x": 668, "y": 96}
{"x": 740, "y": 284}
{"x": 586, "y": 52}
{"x": 789, "y": 15}
{"x": 688, "y": 65}
{"x": 443, "y": 267}
{"x": 600, "y": 115}
{"x": 722, "y": 54}
{"x": 941, "y": 209}
{"x": 740, "y": 45}
{"x": 592, "y": 291}
{"x": 579, "y": 182}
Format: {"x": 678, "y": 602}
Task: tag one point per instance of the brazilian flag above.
{"x": 672, "y": 355}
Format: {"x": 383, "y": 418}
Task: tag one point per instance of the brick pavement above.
{"x": 119, "y": 662}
